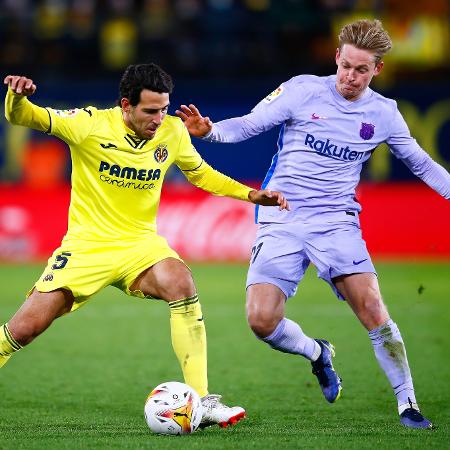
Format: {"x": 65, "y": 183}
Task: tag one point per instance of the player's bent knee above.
{"x": 373, "y": 313}
{"x": 378, "y": 317}
{"x": 178, "y": 288}
{"x": 262, "y": 325}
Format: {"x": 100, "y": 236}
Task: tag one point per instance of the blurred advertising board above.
{"x": 399, "y": 220}
{"x": 199, "y": 226}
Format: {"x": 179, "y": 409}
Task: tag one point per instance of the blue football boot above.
{"x": 412, "y": 418}
{"x": 322, "y": 368}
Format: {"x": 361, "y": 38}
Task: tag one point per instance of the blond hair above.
{"x": 366, "y": 35}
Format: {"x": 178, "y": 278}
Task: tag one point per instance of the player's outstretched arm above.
{"x": 232, "y": 130}
{"x": 196, "y": 124}
{"x": 210, "y": 180}
{"x": 18, "y": 109}
{"x": 20, "y": 85}
{"x": 269, "y": 198}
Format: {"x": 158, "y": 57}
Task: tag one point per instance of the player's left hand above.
{"x": 269, "y": 198}
{"x": 196, "y": 124}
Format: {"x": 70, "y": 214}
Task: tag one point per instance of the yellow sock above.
{"x": 8, "y": 344}
{"x": 189, "y": 342}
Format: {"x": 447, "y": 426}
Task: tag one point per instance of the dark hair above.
{"x": 143, "y": 76}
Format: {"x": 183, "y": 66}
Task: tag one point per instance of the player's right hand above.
{"x": 20, "y": 85}
{"x": 266, "y": 197}
{"x": 196, "y": 124}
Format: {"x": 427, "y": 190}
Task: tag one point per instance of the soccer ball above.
{"x": 173, "y": 408}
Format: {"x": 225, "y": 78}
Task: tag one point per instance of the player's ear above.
{"x": 125, "y": 104}
{"x": 378, "y": 68}
{"x": 338, "y": 54}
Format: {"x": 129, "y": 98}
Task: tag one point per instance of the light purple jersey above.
{"x": 323, "y": 142}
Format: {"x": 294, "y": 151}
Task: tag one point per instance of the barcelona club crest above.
{"x": 161, "y": 153}
{"x": 367, "y": 131}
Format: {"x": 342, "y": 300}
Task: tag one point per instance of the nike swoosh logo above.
{"x": 314, "y": 116}
{"x": 359, "y": 262}
{"x": 200, "y": 320}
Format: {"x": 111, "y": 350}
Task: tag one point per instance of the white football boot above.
{"x": 215, "y": 412}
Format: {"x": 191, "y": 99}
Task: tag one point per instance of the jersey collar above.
{"x": 126, "y": 128}
{"x": 341, "y": 100}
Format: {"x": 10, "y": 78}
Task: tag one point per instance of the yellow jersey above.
{"x": 117, "y": 177}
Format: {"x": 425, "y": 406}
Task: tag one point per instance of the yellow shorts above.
{"x": 85, "y": 267}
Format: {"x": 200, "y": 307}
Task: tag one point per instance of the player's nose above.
{"x": 158, "y": 118}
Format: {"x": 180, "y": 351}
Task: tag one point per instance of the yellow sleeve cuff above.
{"x": 210, "y": 180}
{"x": 20, "y": 111}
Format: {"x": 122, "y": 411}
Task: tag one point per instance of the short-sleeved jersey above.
{"x": 323, "y": 143}
{"x": 117, "y": 177}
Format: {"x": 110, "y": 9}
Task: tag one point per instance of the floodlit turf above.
{"x": 82, "y": 384}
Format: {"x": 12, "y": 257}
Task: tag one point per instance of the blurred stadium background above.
{"x": 83, "y": 384}
{"x": 224, "y": 55}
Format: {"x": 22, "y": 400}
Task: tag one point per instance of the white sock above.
{"x": 391, "y": 355}
{"x": 288, "y": 337}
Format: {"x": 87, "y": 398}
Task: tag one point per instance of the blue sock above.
{"x": 288, "y": 337}
{"x": 391, "y": 355}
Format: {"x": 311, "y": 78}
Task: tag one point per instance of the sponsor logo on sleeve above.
{"x": 274, "y": 95}
{"x": 66, "y": 112}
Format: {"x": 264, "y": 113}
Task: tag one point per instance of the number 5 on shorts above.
{"x": 255, "y": 251}
{"x": 61, "y": 260}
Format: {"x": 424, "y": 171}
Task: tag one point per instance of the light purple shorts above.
{"x": 283, "y": 251}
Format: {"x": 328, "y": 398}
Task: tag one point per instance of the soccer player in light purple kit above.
{"x": 329, "y": 128}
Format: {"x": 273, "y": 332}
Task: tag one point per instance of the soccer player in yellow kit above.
{"x": 119, "y": 159}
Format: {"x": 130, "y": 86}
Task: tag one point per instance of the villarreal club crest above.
{"x": 161, "y": 153}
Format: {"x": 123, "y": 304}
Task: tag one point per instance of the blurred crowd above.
{"x": 211, "y": 38}
{"x": 235, "y": 44}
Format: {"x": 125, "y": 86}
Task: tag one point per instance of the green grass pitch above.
{"x": 82, "y": 384}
